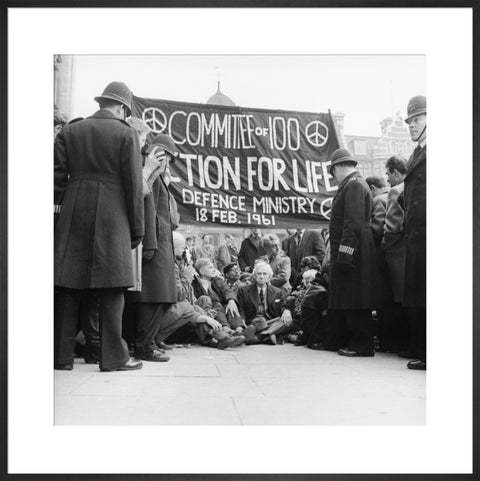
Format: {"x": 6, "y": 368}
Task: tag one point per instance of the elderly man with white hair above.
{"x": 261, "y": 305}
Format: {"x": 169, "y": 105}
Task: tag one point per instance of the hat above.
{"x": 167, "y": 143}
{"x": 118, "y": 92}
{"x": 340, "y": 156}
{"x": 416, "y": 106}
{"x": 229, "y": 267}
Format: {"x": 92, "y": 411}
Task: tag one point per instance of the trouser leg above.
{"x": 388, "y": 332}
{"x": 172, "y": 322}
{"x": 149, "y": 317}
{"x": 114, "y": 350}
{"x": 66, "y": 314}
{"x": 184, "y": 334}
{"x": 313, "y": 325}
{"x": 90, "y": 325}
{"x": 360, "y": 325}
{"x": 337, "y": 332}
{"x": 419, "y": 331}
{"x": 403, "y": 327}
{"x": 129, "y": 323}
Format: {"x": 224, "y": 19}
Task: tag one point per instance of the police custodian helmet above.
{"x": 119, "y": 92}
{"x": 416, "y": 106}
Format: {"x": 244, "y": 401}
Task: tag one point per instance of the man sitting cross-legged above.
{"x": 215, "y": 296}
{"x": 185, "y": 322}
{"x": 261, "y": 305}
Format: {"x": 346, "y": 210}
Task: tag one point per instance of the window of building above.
{"x": 360, "y": 147}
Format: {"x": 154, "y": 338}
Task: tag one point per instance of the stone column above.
{"x": 64, "y": 66}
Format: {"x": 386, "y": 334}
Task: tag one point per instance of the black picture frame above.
{"x": 5, "y": 266}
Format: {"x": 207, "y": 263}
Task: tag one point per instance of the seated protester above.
{"x": 185, "y": 323}
{"x": 245, "y": 278}
{"x": 307, "y": 263}
{"x": 221, "y": 298}
{"x": 314, "y": 306}
{"x": 231, "y": 273}
{"x": 279, "y": 262}
{"x": 261, "y": 305}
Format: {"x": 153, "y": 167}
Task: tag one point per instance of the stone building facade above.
{"x": 372, "y": 152}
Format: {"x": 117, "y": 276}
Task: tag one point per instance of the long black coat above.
{"x": 98, "y": 182}
{"x": 158, "y": 273}
{"x": 415, "y": 200}
{"x": 354, "y": 275}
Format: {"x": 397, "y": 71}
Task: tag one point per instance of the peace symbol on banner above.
{"x": 326, "y": 208}
{"x": 155, "y": 119}
{"x": 316, "y": 133}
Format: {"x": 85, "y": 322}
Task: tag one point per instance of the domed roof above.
{"x": 219, "y": 98}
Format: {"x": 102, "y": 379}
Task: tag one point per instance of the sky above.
{"x": 365, "y": 88}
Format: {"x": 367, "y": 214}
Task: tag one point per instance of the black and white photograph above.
{"x": 244, "y": 252}
{"x": 247, "y": 257}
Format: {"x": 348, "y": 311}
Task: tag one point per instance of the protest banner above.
{"x": 246, "y": 167}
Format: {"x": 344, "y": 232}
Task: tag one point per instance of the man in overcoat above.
{"x": 305, "y": 242}
{"x": 354, "y": 277}
{"x": 279, "y": 262}
{"x": 385, "y": 328}
{"x": 250, "y": 249}
{"x": 98, "y": 183}
{"x": 393, "y": 245}
{"x": 415, "y": 201}
{"x": 159, "y": 289}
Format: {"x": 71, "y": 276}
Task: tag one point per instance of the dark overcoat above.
{"x": 415, "y": 200}
{"x": 393, "y": 242}
{"x": 354, "y": 274}
{"x": 98, "y": 182}
{"x": 249, "y": 251}
{"x": 311, "y": 244}
{"x": 158, "y": 273}
{"x": 248, "y": 300}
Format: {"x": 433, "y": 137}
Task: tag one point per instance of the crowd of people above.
{"x": 129, "y": 287}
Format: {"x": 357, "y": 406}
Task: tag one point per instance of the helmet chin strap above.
{"x": 421, "y": 133}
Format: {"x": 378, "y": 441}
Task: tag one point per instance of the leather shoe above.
{"x": 154, "y": 356}
{"x": 165, "y": 347}
{"x": 252, "y": 341}
{"x": 130, "y": 365}
{"x": 63, "y": 367}
{"x": 417, "y": 365}
{"x": 230, "y": 341}
{"x": 348, "y": 353}
{"x": 316, "y": 346}
{"x": 271, "y": 339}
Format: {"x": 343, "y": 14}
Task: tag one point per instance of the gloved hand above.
{"x": 135, "y": 242}
{"x": 148, "y": 254}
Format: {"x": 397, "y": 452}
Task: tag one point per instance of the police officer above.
{"x": 98, "y": 183}
{"x": 354, "y": 276}
{"x": 415, "y": 201}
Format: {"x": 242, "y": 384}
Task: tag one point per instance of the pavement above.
{"x": 256, "y": 385}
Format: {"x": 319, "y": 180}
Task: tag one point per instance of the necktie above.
{"x": 261, "y": 304}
